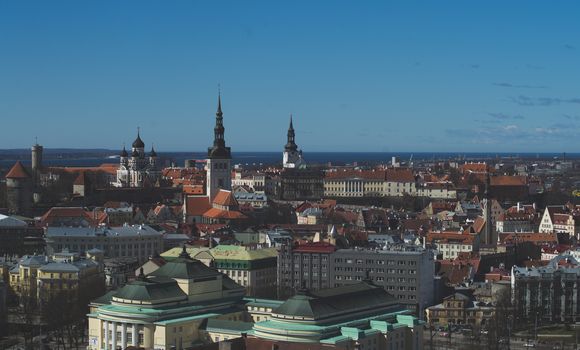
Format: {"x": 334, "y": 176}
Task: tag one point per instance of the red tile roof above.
{"x": 196, "y": 206}
{"x": 533, "y": 237}
{"x": 17, "y": 172}
{"x": 215, "y": 213}
{"x": 450, "y": 237}
{"x": 67, "y": 212}
{"x": 479, "y": 224}
{"x": 505, "y": 180}
{"x": 316, "y": 247}
{"x": 80, "y": 180}
{"x": 400, "y": 175}
{"x": 474, "y": 167}
{"x": 225, "y": 198}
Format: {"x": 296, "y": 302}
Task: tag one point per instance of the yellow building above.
{"x": 459, "y": 309}
{"x": 171, "y": 307}
{"x": 255, "y": 269}
{"x": 41, "y": 277}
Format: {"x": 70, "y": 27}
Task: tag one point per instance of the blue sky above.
{"x": 451, "y": 76}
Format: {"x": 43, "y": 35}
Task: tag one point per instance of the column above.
{"x": 106, "y": 335}
{"x": 123, "y": 335}
{"x": 114, "y": 336}
{"x": 148, "y": 336}
{"x": 135, "y": 336}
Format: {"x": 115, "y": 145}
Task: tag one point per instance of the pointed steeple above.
{"x": 219, "y": 149}
{"x": 219, "y": 109}
{"x": 152, "y": 153}
{"x": 291, "y": 144}
{"x": 124, "y": 153}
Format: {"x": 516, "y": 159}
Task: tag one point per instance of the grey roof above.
{"x": 33, "y": 260}
{"x": 252, "y": 196}
{"x": 176, "y": 236}
{"x": 120, "y": 231}
{"x": 552, "y": 267}
{"x": 59, "y": 267}
{"x": 10, "y": 221}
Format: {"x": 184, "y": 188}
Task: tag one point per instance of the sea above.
{"x": 87, "y": 158}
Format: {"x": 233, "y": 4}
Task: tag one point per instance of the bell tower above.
{"x": 218, "y": 165}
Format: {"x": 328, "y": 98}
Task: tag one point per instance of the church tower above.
{"x": 291, "y": 158}
{"x": 218, "y": 165}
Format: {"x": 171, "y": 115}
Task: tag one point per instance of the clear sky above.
{"x": 455, "y": 76}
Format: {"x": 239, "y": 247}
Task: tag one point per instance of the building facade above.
{"x": 254, "y": 269}
{"x": 549, "y": 293}
{"x": 168, "y": 308}
{"x": 137, "y": 241}
{"x": 459, "y": 309}
{"x": 405, "y": 272}
{"x": 18, "y": 238}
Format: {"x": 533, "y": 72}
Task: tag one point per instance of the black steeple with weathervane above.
{"x": 291, "y": 144}
{"x": 219, "y": 149}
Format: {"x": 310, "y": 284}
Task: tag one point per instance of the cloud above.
{"x": 475, "y": 66}
{"x": 513, "y": 134}
{"x": 569, "y": 47}
{"x": 503, "y": 116}
{"x": 509, "y": 85}
{"x": 542, "y": 101}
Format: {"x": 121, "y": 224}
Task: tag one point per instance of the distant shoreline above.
{"x": 77, "y": 157}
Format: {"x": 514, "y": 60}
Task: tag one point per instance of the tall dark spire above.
{"x": 291, "y": 144}
{"x": 219, "y": 149}
{"x": 219, "y": 110}
{"x": 124, "y": 152}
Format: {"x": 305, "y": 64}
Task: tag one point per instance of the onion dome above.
{"x": 124, "y": 153}
{"x": 153, "y": 153}
{"x": 138, "y": 143}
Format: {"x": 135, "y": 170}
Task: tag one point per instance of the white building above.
{"x": 137, "y": 169}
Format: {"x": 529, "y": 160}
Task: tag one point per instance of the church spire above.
{"x": 291, "y": 144}
{"x": 219, "y": 109}
{"x": 219, "y": 149}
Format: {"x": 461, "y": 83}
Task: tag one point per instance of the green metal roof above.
{"x": 183, "y": 268}
{"x": 104, "y": 299}
{"x": 327, "y": 302}
{"x": 227, "y": 326}
{"x": 150, "y": 291}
